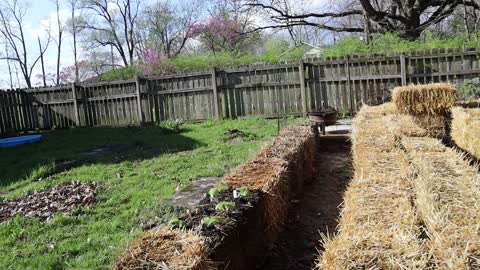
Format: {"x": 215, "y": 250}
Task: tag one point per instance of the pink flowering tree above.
{"x": 67, "y": 73}
{"x": 219, "y": 33}
{"x": 153, "y": 63}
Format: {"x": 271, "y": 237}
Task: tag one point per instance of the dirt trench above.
{"x": 315, "y": 211}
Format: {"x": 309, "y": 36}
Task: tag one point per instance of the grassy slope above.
{"x": 157, "y": 162}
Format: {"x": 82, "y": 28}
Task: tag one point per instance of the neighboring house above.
{"x": 310, "y": 51}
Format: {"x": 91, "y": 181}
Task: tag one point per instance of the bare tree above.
{"x": 9, "y": 66}
{"x": 75, "y": 26}
{"x": 166, "y": 25}
{"x": 407, "y": 17}
{"x": 114, "y": 24}
{"x": 12, "y": 28}
{"x": 58, "y": 40}
{"x": 43, "y": 75}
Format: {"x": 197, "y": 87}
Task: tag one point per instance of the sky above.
{"x": 40, "y": 15}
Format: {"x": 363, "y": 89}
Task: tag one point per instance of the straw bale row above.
{"x": 279, "y": 170}
{"x": 378, "y": 225}
{"x": 166, "y": 249}
{"x": 447, "y": 198}
{"x": 466, "y": 129}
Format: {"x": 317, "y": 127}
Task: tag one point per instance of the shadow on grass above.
{"x": 64, "y": 149}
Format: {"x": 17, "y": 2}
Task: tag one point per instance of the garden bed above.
{"x": 240, "y": 216}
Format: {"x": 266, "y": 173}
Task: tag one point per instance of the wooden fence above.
{"x": 257, "y": 90}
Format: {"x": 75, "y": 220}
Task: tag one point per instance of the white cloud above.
{"x": 50, "y": 24}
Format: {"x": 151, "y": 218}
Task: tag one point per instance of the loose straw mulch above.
{"x": 447, "y": 191}
{"x": 166, "y": 249}
{"x": 466, "y": 129}
{"x": 434, "y": 98}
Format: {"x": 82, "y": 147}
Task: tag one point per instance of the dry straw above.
{"x": 435, "y": 98}
{"x": 448, "y": 200}
{"x": 164, "y": 249}
{"x": 466, "y": 129}
{"x": 278, "y": 170}
{"x": 377, "y": 229}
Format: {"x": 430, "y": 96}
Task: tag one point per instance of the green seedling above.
{"x": 217, "y": 189}
{"x": 243, "y": 191}
{"x": 224, "y": 206}
{"x": 176, "y": 222}
{"x": 212, "y": 220}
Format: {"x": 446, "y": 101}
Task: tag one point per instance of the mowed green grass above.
{"x": 156, "y": 162}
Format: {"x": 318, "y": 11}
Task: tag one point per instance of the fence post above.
{"x": 403, "y": 69}
{"x": 139, "y": 100}
{"x": 301, "y": 70}
{"x": 215, "y": 93}
{"x": 75, "y": 104}
{"x": 349, "y": 84}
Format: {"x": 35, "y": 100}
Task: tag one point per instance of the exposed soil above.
{"x": 229, "y": 219}
{"x": 314, "y": 212}
{"x": 45, "y": 203}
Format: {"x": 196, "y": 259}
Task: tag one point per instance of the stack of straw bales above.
{"x": 447, "y": 198}
{"x": 377, "y": 229}
{"x": 428, "y": 104}
{"x": 278, "y": 170}
{"x": 413, "y": 203}
{"x": 166, "y": 249}
{"x": 466, "y": 129}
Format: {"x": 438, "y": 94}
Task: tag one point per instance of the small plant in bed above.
{"x": 242, "y": 192}
{"x": 217, "y": 190}
{"x": 225, "y": 206}
{"x": 176, "y": 222}
{"x": 212, "y": 221}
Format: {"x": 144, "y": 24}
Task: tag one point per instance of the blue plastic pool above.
{"x": 15, "y": 141}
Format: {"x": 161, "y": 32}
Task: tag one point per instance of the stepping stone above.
{"x": 190, "y": 196}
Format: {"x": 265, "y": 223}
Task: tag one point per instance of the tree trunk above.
{"x": 42, "y": 63}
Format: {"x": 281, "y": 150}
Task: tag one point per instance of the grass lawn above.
{"x": 151, "y": 163}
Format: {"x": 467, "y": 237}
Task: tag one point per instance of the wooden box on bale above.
{"x": 428, "y": 104}
{"x": 279, "y": 171}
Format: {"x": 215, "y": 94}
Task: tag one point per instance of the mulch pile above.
{"x": 45, "y": 203}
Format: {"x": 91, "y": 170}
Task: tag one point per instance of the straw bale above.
{"x": 418, "y": 144}
{"x": 466, "y": 129}
{"x": 369, "y": 112}
{"x": 404, "y": 125}
{"x": 377, "y": 229}
{"x": 435, "y": 98}
{"x": 447, "y": 191}
{"x": 434, "y": 124}
{"x": 166, "y": 249}
{"x": 278, "y": 170}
